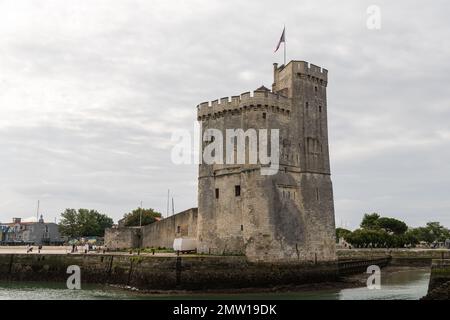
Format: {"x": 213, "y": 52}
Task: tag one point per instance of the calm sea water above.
{"x": 409, "y": 284}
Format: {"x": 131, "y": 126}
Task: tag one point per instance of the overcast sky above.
{"x": 91, "y": 91}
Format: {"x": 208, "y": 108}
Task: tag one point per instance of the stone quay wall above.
{"x": 398, "y": 257}
{"x": 162, "y": 273}
{"x": 439, "y": 287}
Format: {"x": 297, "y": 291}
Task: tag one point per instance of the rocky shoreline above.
{"x": 345, "y": 282}
{"x": 338, "y": 285}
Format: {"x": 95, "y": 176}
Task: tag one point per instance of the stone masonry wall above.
{"x": 122, "y": 238}
{"x": 286, "y": 217}
{"x": 162, "y": 233}
{"x": 162, "y": 273}
{"x": 158, "y": 234}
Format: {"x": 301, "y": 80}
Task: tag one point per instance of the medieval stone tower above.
{"x": 285, "y": 217}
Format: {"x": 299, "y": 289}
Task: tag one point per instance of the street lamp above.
{"x": 140, "y": 228}
{"x": 140, "y": 216}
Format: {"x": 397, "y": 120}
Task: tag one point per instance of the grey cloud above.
{"x": 92, "y": 90}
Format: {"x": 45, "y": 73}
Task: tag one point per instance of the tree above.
{"x": 439, "y": 232}
{"x": 370, "y": 221}
{"x": 342, "y": 233}
{"x": 133, "y": 218}
{"x": 69, "y": 225}
{"x": 392, "y": 225}
{"x": 387, "y": 232}
{"x": 432, "y": 232}
{"x": 411, "y": 238}
{"x": 365, "y": 238}
{"x": 84, "y": 223}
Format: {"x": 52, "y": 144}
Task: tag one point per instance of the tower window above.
{"x": 178, "y": 229}
{"x": 217, "y": 193}
{"x": 320, "y": 108}
{"x": 315, "y": 89}
{"x": 307, "y": 105}
{"x": 242, "y": 227}
{"x": 264, "y": 115}
{"x": 237, "y": 191}
{"x": 317, "y": 194}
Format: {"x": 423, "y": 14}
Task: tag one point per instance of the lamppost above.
{"x": 140, "y": 228}
{"x": 140, "y": 216}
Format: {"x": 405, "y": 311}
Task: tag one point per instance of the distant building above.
{"x": 36, "y": 233}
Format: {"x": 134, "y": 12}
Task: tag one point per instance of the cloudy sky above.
{"x": 91, "y": 91}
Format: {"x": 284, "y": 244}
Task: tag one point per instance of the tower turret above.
{"x": 287, "y": 216}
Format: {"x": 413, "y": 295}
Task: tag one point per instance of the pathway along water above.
{"x": 403, "y": 284}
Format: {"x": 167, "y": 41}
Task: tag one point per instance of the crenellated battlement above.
{"x": 310, "y": 69}
{"x": 243, "y": 102}
{"x": 303, "y": 69}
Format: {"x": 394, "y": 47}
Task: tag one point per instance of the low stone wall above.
{"x": 439, "y": 287}
{"x": 410, "y": 257}
{"x": 122, "y": 238}
{"x": 347, "y": 267}
{"x": 158, "y": 234}
{"x": 162, "y": 233}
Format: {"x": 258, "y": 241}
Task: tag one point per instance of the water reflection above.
{"x": 404, "y": 284}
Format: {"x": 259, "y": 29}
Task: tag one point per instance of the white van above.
{"x": 185, "y": 245}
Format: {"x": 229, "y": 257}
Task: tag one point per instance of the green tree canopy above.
{"x": 378, "y": 238}
{"x": 148, "y": 216}
{"x": 342, "y": 233}
{"x": 392, "y": 225}
{"x": 84, "y": 223}
{"x": 433, "y": 231}
{"x": 377, "y": 231}
{"x": 370, "y": 221}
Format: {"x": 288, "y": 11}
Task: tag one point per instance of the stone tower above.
{"x": 285, "y": 217}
